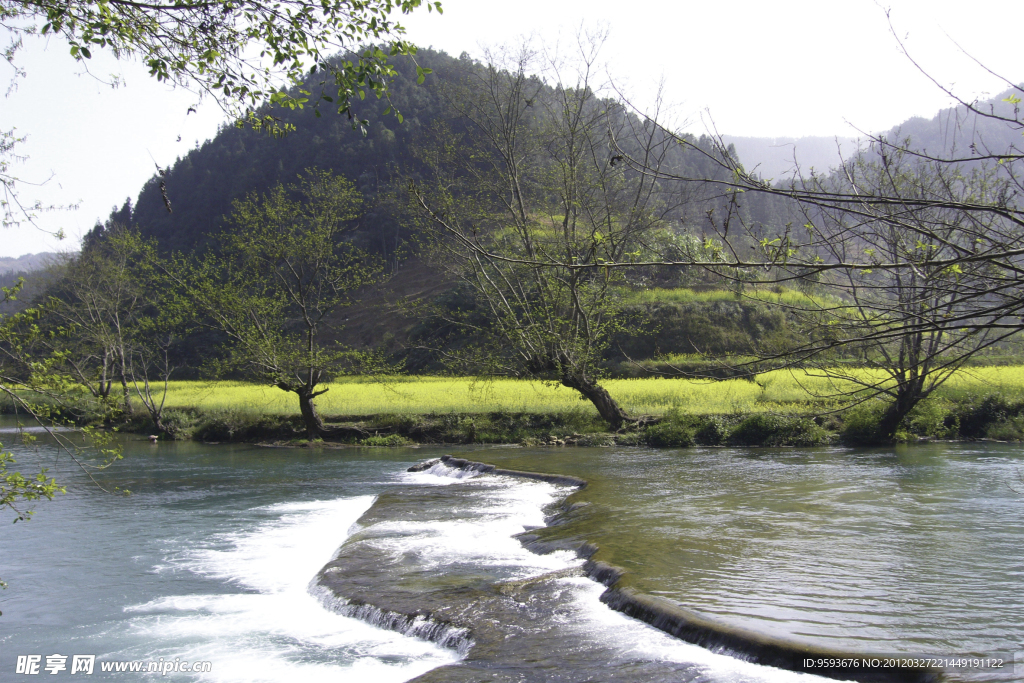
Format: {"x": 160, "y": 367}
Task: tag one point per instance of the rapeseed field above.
{"x": 793, "y": 392}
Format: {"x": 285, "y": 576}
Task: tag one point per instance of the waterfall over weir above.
{"x": 440, "y": 559}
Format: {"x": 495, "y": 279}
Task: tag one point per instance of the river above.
{"x": 216, "y": 556}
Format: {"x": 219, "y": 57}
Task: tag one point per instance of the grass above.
{"x": 796, "y": 392}
{"x": 682, "y": 295}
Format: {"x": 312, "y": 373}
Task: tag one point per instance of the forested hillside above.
{"x": 202, "y": 186}
{"x": 382, "y": 159}
{"x": 958, "y": 130}
{"x": 32, "y": 270}
{"x": 379, "y": 159}
{"x": 383, "y": 156}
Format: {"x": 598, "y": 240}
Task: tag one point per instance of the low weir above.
{"x": 451, "y": 564}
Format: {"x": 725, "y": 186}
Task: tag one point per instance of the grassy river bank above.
{"x": 782, "y": 408}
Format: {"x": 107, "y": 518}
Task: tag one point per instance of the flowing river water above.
{"x": 339, "y": 565}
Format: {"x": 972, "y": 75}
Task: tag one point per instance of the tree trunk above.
{"x": 126, "y": 397}
{"x": 895, "y": 412}
{"x": 315, "y": 428}
{"x": 158, "y": 424}
{"x": 156, "y": 414}
{"x": 607, "y": 406}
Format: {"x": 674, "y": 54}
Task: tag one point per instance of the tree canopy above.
{"x": 244, "y": 53}
{"x": 279, "y": 283}
{"x": 249, "y": 56}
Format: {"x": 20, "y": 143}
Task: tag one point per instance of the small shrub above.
{"x": 388, "y": 441}
{"x": 675, "y": 430}
{"x": 860, "y": 423}
{"x": 399, "y": 423}
{"x": 631, "y": 439}
{"x": 222, "y": 425}
{"x": 239, "y": 425}
{"x": 669, "y": 434}
{"x": 929, "y": 418}
{"x": 1010, "y": 429}
{"x": 595, "y": 440}
{"x": 577, "y": 419}
{"x": 755, "y": 430}
{"x": 766, "y": 429}
{"x": 713, "y": 431}
{"x": 977, "y": 417}
{"x": 180, "y": 425}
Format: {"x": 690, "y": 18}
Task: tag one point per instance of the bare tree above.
{"x": 917, "y": 324}
{"x": 923, "y": 249}
{"x": 527, "y": 198}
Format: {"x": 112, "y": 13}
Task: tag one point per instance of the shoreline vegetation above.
{"x": 775, "y": 409}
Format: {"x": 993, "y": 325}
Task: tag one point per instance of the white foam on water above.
{"x": 439, "y": 474}
{"x": 278, "y": 631}
{"x": 482, "y": 534}
{"x": 638, "y": 640}
{"x": 286, "y": 551}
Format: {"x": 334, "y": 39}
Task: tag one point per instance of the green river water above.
{"x": 916, "y": 549}
{"x": 913, "y": 549}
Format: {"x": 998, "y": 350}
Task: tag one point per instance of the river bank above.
{"x": 989, "y": 418}
{"x": 775, "y": 410}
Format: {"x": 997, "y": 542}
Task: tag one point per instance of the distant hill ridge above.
{"x": 951, "y": 130}
{"x": 779, "y": 158}
{"x": 27, "y": 262}
{"x": 202, "y": 185}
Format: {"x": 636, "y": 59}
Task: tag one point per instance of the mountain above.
{"x": 201, "y": 186}
{"x": 26, "y": 263}
{"x": 779, "y": 158}
{"x": 962, "y": 133}
{"x": 237, "y": 162}
{"x": 952, "y": 131}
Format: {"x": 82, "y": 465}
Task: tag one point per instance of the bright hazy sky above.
{"x": 770, "y": 69}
